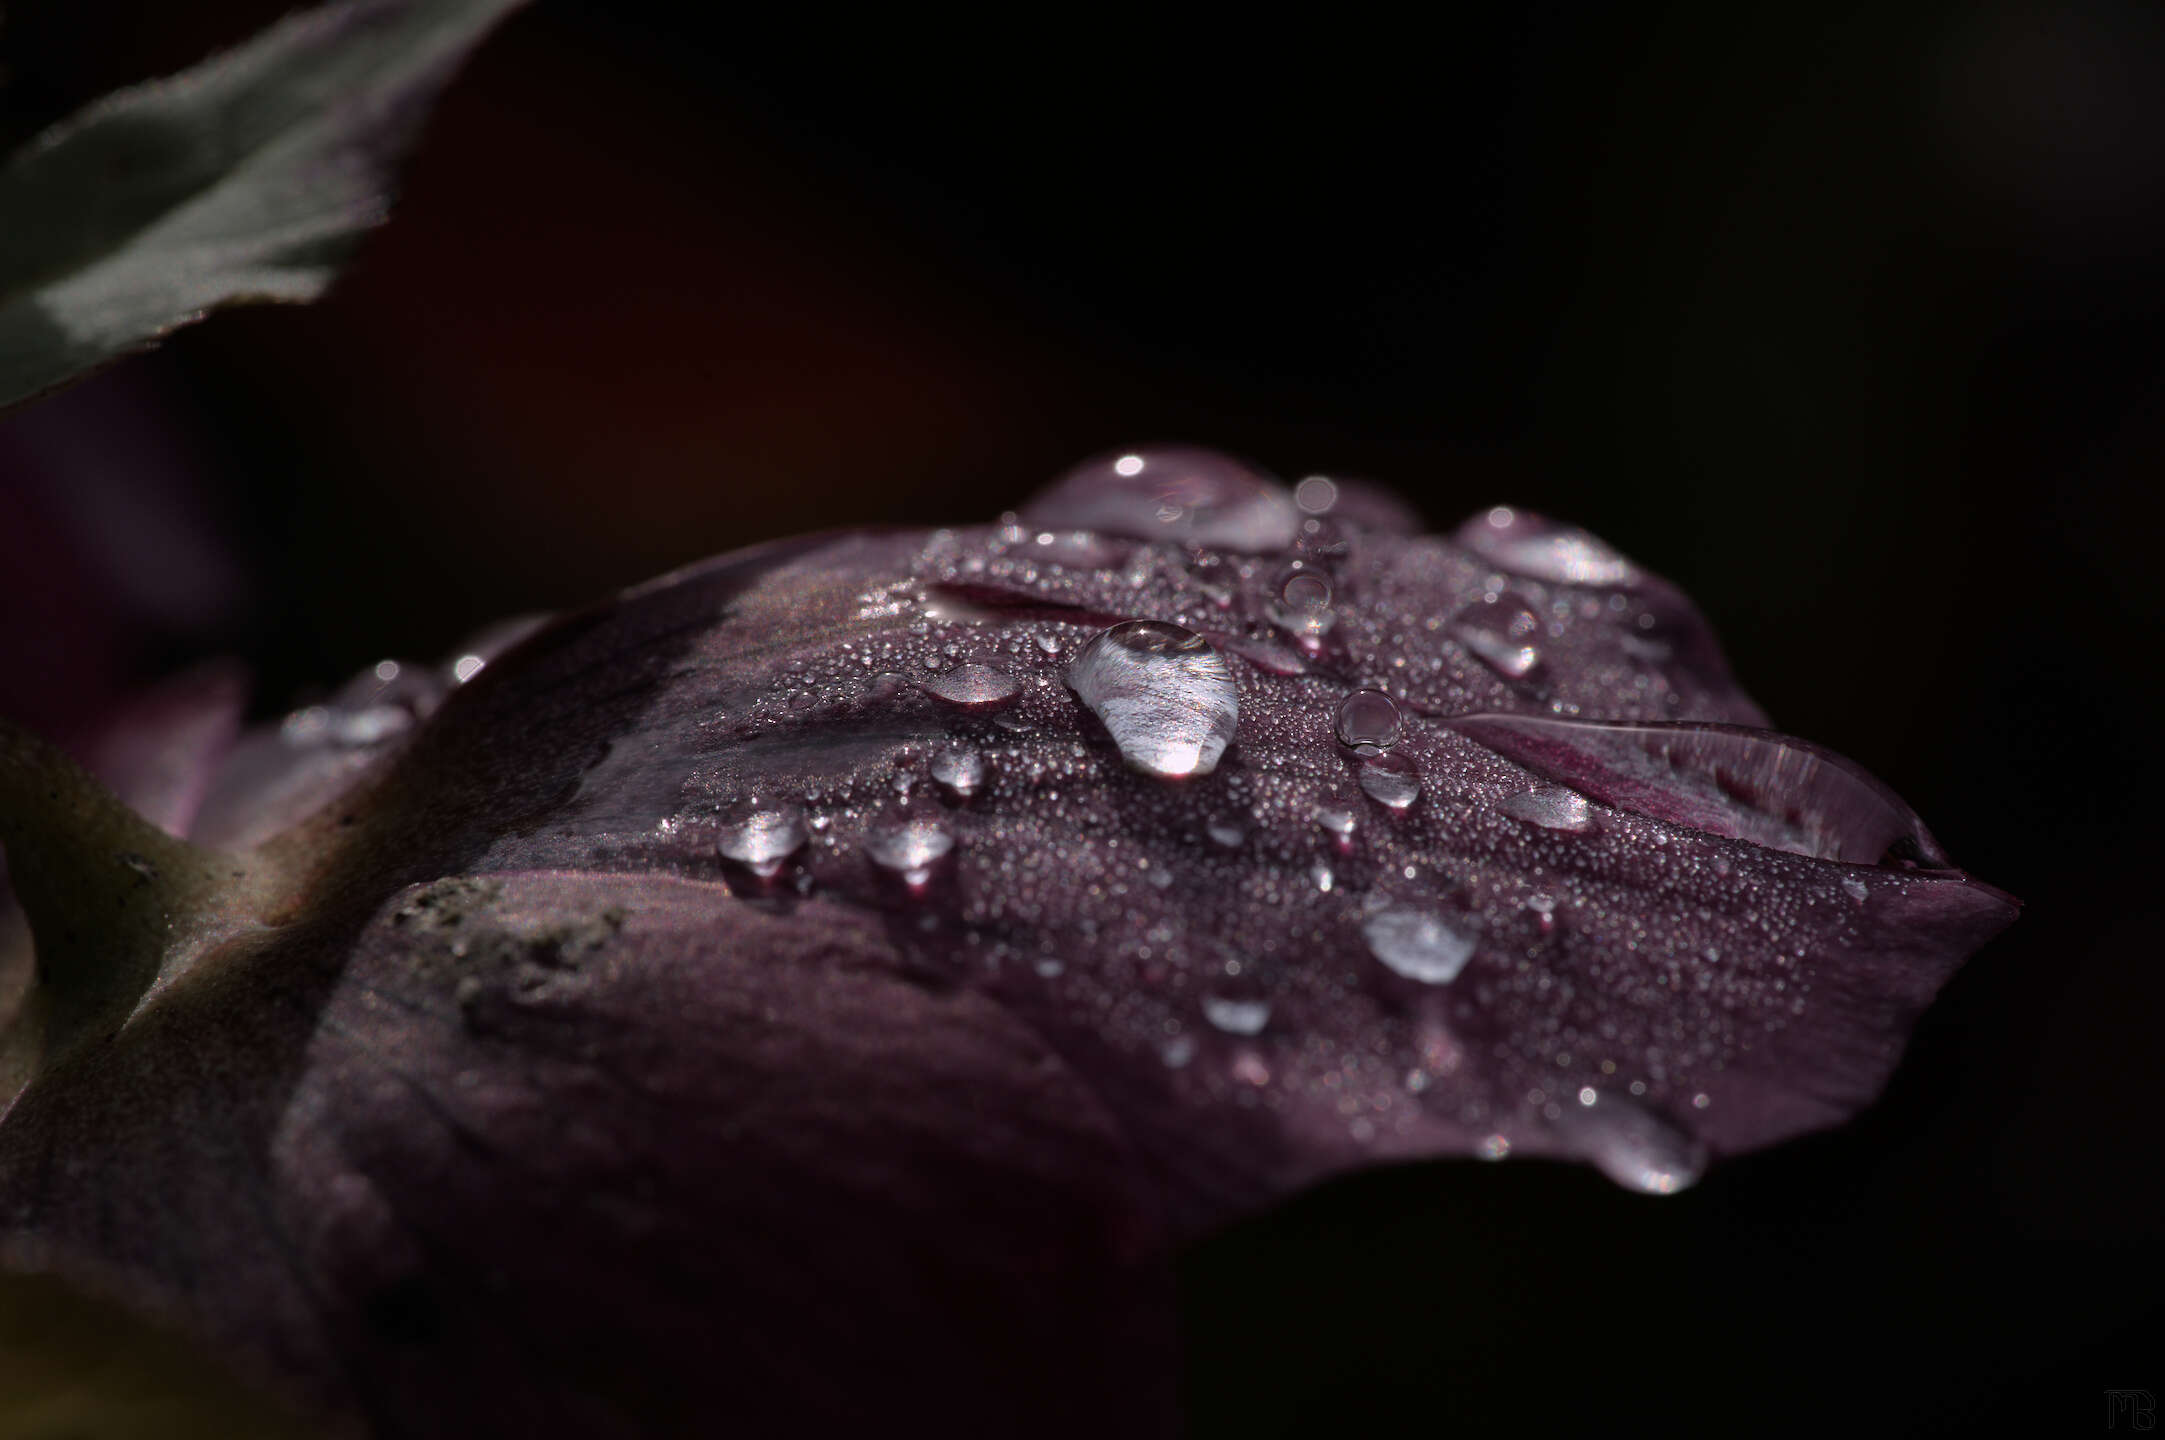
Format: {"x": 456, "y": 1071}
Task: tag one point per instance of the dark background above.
{"x": 1851, "y": 319}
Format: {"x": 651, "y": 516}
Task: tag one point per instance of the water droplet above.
{"x": 909, "y": 847}
{"x": 1227, "y": 832}
{"x": 959, "y": 771}
{"x": 1855, "y": 889}
{"x": 1495, "y": 1147}
{"x": 1047, "y": 642}
{"x": 1727, "y": 780}
{"x": 1340, "y": 825}
{"x": 1303, "y": 609}
{"x": 1368, "y": 717}
{"x": 763, "y": 838}
{"x": 1236, "y": 1016}
{"x": 1076, "y": 549}
{"x": 973, "y": 687}
{"x": 466, "y": 667}
{"x": 1181, "y": 493}
{"x": 1418, "y": 944}
{"x": 1632, "y": 1144}
{"x": 338, "y": 725}
{"x": 1316, "y": 494}
{"x": 1501, "y": 634}
{"x": 1166, "y": 698}
{"x": 1391, "y": 780}
{"x": 1520, "y": 542}
{"x": 1271, "y": 658}
{"x": 1552, "y": 807}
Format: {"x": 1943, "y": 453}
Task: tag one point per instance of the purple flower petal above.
{"x": 815, "y": 1024}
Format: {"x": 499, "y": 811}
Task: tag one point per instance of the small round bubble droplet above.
{"x": 1303, "y": 609}
{"x": 1163, "y": 694}
{"x": 1316, "y": 494}
{"x": 1368, "y": 717}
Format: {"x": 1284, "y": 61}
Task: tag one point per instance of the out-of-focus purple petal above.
{"x": 162, "y": 751}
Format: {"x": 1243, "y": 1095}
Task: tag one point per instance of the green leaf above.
{"x": 248, "y": 178}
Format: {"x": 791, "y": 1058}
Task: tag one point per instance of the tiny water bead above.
{"x": 1163, "y": 694}
{"x": 973, "y": 687}
{"x": 909, "y": 847}
{"x": 1418, "y": 943}
{"x": 1551, "y": 807}
{"x": 959, "y": 771}
{"x": 1177, "y": 492}
{"x": 762, "y": 839}
{"x": 1519, "y": 542}
{"x": 1316, "y": 494}
{"x": 1728, "y": 780}
{"x": 1391, "y": 780}
{"x": 1368, "y": 717}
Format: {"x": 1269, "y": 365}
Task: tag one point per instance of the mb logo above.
{"x": 2137, "y": 1407}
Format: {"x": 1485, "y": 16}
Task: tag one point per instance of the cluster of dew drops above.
{"x": 1279, "y": 690}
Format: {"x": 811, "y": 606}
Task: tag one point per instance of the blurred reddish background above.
{"x": 1847, "y": 317}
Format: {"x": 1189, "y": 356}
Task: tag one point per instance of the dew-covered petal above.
{"x": 1448, "y": 977}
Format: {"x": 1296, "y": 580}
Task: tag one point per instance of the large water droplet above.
{"x": 909, "y": 847}
{"x": 1419, "y": 944}
{"x": 1236, "y": 1015}
{"x": 1519, "y": 542}
{"x": 973, "y": 687}
{"x": 1391, "y": 780}
{"x": 1551, "y": 807}
{"x": 1631, "y": 1143}
{"x": 763, "y": 838}
{"x": 1501, "y": 633}
{"x": 959, "y": 771}
{"x": 1770, "y": 789}
{"x": 1163, "y": 694}
{"x": 1303, "y": 609}
{"x": 1368, "y": 717}
{"x": 1173, "y": 492}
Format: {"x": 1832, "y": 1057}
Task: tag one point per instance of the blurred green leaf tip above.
{"x": 250, "y": 177}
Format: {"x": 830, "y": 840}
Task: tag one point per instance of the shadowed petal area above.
{"x": 484, "y": 1168}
